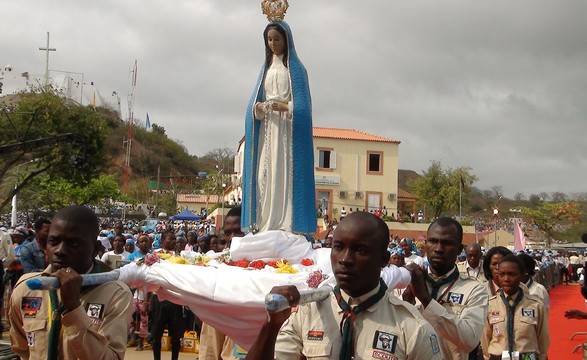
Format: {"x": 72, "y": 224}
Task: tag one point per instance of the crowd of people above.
{"x": 466, "y": 302}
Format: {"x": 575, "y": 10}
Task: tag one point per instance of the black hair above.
{"x": 40, "y": 222}
{"x": 448, "y": 221}
{"x": 166, "y": 233}
{"x": 529, "y": 264}
{"x": 494, "y": 250}
{"x": 235, "y": 211}
{"x": 375, "y": 228}
{"x": 516, "y": 260}
{"x": 268, "y": 52}
{"x": 82, "y": 215}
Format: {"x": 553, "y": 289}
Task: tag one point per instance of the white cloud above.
{"x": 498, "y": 87}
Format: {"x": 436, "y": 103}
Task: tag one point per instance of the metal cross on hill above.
{"x": 47, "y": 49}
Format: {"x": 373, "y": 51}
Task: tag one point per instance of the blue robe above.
{"x": 303, "y": 191}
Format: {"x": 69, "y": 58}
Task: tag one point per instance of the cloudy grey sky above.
{"x": 500, "y": 86}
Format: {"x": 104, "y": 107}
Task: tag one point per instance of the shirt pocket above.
{"x": 317, "y": 351}
{"x": 457, "y": 309}
{"x": 498, "y": 327}
{"x": 36, "y": 335}
{"x": 528, "y": 321}
{"x": 31, "y": 325}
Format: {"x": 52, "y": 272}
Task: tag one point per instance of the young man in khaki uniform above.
{"x": 374, "y": 323}
{"x": 516, "y": 320}
{"x": 454, "y": 304}
{"x": 215, "y": 345}
{"x": 473, "y": 265}
{"x": 73, "y": 322}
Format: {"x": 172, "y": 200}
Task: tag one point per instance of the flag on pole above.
{"x": 148, "y": 123}
{"x": 14, "y": 214}
{"x": 519, "y": 238}
{"x": 94, "y": 101}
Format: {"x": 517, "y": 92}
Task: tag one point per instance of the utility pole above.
{"x": 47, "y": 49}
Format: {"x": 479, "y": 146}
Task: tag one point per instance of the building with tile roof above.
{"x": 353, "y": 170}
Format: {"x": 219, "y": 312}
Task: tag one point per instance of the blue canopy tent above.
{"x": 187, "y": 215}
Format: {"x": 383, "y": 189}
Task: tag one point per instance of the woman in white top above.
{"x": 118, "y": 253}
{"x": 410, "y": 252}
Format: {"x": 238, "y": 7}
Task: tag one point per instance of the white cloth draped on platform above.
{"x": 232, "y": 299}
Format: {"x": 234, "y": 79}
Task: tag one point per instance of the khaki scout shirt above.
{"x": 530, "y": 327}
{"x": 477, "y": 274}
{"x": 537, "y": 289}
{"x": 97, "y": 329}
{"x": 458, "y": 316}
{"x": 6, "y": 249}
{"x": 314, "y": 331}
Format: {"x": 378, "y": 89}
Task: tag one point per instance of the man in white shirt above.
{"x": 473, "y": 265}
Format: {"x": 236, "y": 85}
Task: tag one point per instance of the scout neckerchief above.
{"x": 347, "y": 350}
{"x": 511, "y": 312}
{"x": 437, "y": 284}
{"x": 57, "y": 310}
{"x": 491, "y": 287}
{"x": 529, "y": 283}
{"x": 55, "y": 331}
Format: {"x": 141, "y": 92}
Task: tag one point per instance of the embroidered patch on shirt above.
{"x": 384, "y": 341}
{"x": 455, "y": 298}
{"x": 528, "y": 312}
{"x": 30, "y": 306}
{"x": 316, "y": 335}
{"x": 30, "y": 339}
{"x": 495, "y": 319}
{"x": 496, "y": 330}
{"x": 383, "y": 355}
{"x": 96, "y": 313}
{"x": 434, "y": 344}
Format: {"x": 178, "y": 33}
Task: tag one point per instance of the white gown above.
{"x": 274, "y": 179}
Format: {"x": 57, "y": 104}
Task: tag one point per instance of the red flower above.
{"x": 257, "y": 264}
{"x": 240, "y": 263}
{"x": 307, "y": 262}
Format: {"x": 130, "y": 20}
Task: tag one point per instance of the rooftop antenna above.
{"x": 130, "y": 122}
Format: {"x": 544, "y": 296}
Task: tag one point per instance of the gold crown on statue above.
{"x": 274, "y": 9}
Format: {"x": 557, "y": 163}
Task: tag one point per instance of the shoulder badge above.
{"x": 384, "y": 341}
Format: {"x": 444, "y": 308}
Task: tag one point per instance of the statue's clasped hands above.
{"x": 271, "y": 105}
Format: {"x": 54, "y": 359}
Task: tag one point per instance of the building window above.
{"x": 375, "y": 162}
{"x": 325, "y": 158}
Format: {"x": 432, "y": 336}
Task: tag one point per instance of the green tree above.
{"x": 52, "y": 193}
{"x": 548, "y": 216}
{"x": 439, "y": 188}
{"x": 157, "y": 129}
{"x": 63, "y": 140}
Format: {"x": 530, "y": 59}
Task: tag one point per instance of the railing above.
{"x": 549, "y": 276}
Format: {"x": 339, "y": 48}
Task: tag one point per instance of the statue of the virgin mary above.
{"x": 278, "y": 173}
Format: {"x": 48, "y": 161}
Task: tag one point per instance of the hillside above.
{"x": 404, "y": 177}
{"x": 152, "y": 154}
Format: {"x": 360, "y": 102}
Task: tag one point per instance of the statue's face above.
{"x": 276, "y": 42}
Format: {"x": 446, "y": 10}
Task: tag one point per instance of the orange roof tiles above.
{"x": 345, "y": 134}
{"x": 349, "y": 134}
{"x": 402, "y": 194}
